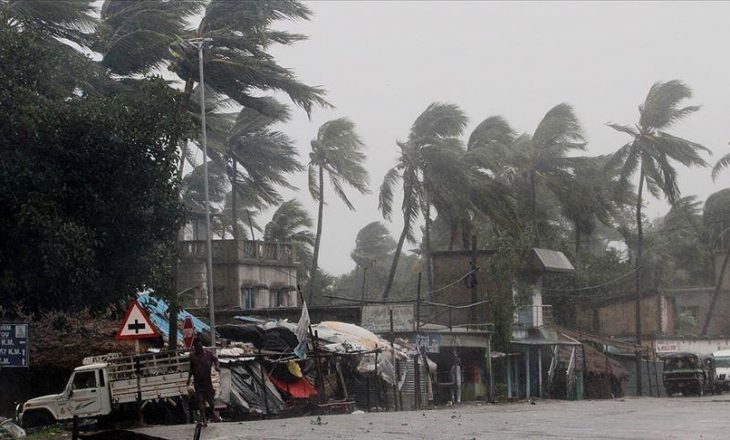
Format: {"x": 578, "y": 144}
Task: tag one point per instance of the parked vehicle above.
{"x": 722, "y": 368}
{"x": 690, "y": 373}
{"x": 116, "y": 386}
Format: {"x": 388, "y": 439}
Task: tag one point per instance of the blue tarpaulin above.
{"x": 158, "y": 311}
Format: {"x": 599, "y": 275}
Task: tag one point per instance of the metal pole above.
{"x": 395, "y": 364}
{"x": 418, "y": 305}
{"x": 209, "y": 247}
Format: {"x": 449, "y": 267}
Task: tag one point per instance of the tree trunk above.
{"x": 577, "y": 247}
{"x": 234, "y": 199}
{"x": 427, "y": 243}
{"x": 318, "y": 238}
{"x": 637, "y": 277}
{"x": 394, "y": 264}
{"x": 533, "y": 208}
{"x": 718, "y": 289}
{"x": 184, "y": 148}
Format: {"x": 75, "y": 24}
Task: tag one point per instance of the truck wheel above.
{"x": 34, "y": 419}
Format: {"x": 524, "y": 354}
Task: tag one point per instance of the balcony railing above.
{"x": 534, "y": 316}
{"x": 237, "y": 250}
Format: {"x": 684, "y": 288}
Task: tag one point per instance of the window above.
{"x": 84, "y": 380}
{"x": 282, "y": 298}
{"x": 248, "y": 298}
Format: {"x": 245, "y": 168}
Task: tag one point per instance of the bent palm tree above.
{"x": 721, "y": 164}
{"x": 529, "y": 163}
{"x": 652, "y": 151}
{"x": 137, "y": 36}
{"x": 428, "y": 166}
{"x": 291, "y": 223}
{"x": 337, "y": 151}
{"x": 68, "y": 19}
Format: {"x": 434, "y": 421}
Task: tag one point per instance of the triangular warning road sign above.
{"x": 136, "y": 324}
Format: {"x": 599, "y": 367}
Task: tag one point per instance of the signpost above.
{"x": 188, "y": 332}
{"x": 14, "y": 349}
{"x": 429, "y": 343}
{"x": 376, "y": 318}
{"x": 136, "y": 324}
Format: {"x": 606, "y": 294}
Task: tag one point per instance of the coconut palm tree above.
{"x": 68, "y": 19}
{"x": 373, "y": 243}
{"x": 651, "y": 152}
{"x": 428, "y": 166}
{"x": 721, "y": 164}
{"x": 337, "y": 152}
{"x": 137, "y": 36}
{"x": 530, "y": 163}
{"x": 291, "y": 223}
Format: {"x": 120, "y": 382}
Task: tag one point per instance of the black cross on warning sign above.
{"x": 136, "y": 324}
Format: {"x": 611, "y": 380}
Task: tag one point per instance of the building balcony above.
{"x": 241, "y": 251}
{"x": 534, "y": 316}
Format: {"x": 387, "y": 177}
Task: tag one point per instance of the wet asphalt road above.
{"x": 629, "y": 418}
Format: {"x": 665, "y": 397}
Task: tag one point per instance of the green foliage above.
{"x": 716, "y": 218}
{"x": 430, "y": 169}
{"x": 338, "y": 153}
{"x": 90, "y": 200}
{"x": 291, "y": 223}
{"x": 372, "y": 244}
{"x": 506, "y": 264}
{"x": 68, "y": 19}
{"x": 721, "y": 164}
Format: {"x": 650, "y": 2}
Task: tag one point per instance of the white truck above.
{"x": 722, "y": 368}
{"x": 118, "y": 386}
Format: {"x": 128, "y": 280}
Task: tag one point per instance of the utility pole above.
{"x": 199, "y": 42}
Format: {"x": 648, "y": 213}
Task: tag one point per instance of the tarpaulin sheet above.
{"x": 300, "y": 389}
{"x": 159, "y": 314}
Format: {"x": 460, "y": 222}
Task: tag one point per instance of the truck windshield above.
{"x": 680, "y": 363}
{"x": 722, "y": 362}
{"x": 83, "y": 380}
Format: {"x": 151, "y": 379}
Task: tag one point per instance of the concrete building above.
{"x": 247, "y": 274}
{"x": 668, "y": 312}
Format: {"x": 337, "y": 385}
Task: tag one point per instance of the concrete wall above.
{"x": 619, "y": 319}
{"x": 450, "y": 266}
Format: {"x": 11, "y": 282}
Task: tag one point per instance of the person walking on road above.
{"x": 201, "y": 364}
{"x": 456, "y": 379}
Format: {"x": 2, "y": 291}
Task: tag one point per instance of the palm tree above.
{"x": 721, "y": 164}
{"x": 428, "y": 166}
{"x": 337, "y": 151}
{"x": 291, "y": 223}
{"x": 591, "y": 199}
{"x": 530, "y": 163}
{"x": 373, "y": 243}
{"x": 143, "y": 34}
{"x": 193, "y": 195}
{"x": 651, "y": 151}
{"x": 68, "y": 19}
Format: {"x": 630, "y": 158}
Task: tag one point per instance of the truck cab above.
{"x": 86, "y": 395}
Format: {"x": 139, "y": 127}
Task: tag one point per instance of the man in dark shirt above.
{"x": 201, "y": 364}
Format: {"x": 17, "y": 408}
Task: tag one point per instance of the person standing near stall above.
{"x": 202, "y": 363}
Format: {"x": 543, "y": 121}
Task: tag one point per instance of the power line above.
{"x": 578, "y": 289}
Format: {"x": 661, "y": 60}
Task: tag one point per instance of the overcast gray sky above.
{"x": 382, "y": 63}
